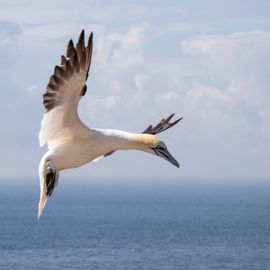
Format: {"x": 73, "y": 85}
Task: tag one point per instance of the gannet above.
{"x": 70, "y": 142}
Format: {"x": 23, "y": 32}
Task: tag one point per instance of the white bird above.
{"x": 70, "y": 142}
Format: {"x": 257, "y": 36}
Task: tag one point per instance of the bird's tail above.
{"x": 42, "y": 202}
{"x": 48, "y": 180}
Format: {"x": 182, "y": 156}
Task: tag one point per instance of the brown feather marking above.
{"x": 52, "y": 87}
{"x": 83, "y": 60}
{"x": 69, "y": 68}
{"x": 49, "y": 95}
{"x": 63, "y": 60}
{"x": 56, "y": 80}
{"x": 75, "y": 62}
{"x": 60, "y": 72}
{"x": 49, "y": 103}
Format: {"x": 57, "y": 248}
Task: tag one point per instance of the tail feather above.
{"x": 42, "y": 202}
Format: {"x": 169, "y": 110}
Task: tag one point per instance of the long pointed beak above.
{"x": 164, "y": 153}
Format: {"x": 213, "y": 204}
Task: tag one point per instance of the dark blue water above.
{"x": 136, "y": 227}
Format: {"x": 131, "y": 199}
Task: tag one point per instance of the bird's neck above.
{"x": 125, "y": 140}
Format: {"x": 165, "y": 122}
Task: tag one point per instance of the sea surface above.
{"x": 128, "y": 226}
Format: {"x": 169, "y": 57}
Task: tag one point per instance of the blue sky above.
{"x": 205, "y": 60}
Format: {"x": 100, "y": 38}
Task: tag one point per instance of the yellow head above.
{"x": 152, "y": 144}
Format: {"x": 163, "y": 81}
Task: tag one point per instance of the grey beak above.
{"x": 163, "y": 152}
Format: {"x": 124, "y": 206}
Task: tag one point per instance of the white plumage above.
{"x": 70, "y": 142}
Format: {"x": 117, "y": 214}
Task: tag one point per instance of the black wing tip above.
{"x": 80, "y": 43}
{"x": 90, "y": 40}
{"x": 170, "y": 117}
{"x": 70, "y": 49}
{"x": 91, "y": 35}
{"x": 163, "y": 125}
{"x": 82, "y": 32}
{"x": 89, "y": 49}
{"x": 176, "y": 121}
{"x": 71, "y": 44}
{"x": 81, "y": 40}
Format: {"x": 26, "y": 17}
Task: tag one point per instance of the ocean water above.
{"x": 136, "y": 227}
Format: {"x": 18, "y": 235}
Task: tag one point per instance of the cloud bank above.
{"x": 148, "y": 62}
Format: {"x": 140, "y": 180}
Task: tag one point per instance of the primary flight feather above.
{"x": 70, "y": 142}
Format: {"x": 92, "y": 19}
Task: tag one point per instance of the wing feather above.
{"x": 65, "y": 88}
{"x": 162, "y": 125}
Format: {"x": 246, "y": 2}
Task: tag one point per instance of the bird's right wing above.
{"x": 65, "y": 89}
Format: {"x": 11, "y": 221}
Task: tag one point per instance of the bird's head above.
{"x": 152, "y": 144}
{"x": 161, "y": 150}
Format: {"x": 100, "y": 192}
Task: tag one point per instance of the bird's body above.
{"x": 70, "y": 142}
{"x": 75, "y": 152}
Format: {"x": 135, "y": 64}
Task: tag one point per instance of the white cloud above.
{"x": 240, "y": 59}
{"x": 140, "y": 80}
{"x": 242, "y": 52}
{"x": 102, "y": 103}
{"x": 232, "y": 98}
{"x": 32, "y": 89}
{"x": 184, "y": 27}
{"x": 121, "y": 50}
{"x": 168, "y": 96}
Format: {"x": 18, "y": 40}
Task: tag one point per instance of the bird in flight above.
{"x": 70, "y": 142}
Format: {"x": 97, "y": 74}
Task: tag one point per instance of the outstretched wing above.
{"x": 63, "y": 93}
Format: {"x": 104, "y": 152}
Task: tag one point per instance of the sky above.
{"x": 207, "y": 61}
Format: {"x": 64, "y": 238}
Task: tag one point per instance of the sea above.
{"x": 163, "y": 225}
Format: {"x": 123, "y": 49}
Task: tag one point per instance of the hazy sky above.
{"x": 208, "y": 61}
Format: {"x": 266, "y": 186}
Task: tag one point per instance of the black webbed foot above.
{"x": 51, "y": 179}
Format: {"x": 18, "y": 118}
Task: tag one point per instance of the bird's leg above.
{"x": 51, "y": 178}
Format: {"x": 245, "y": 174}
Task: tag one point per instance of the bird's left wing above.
{"x": 63, "y": 93}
